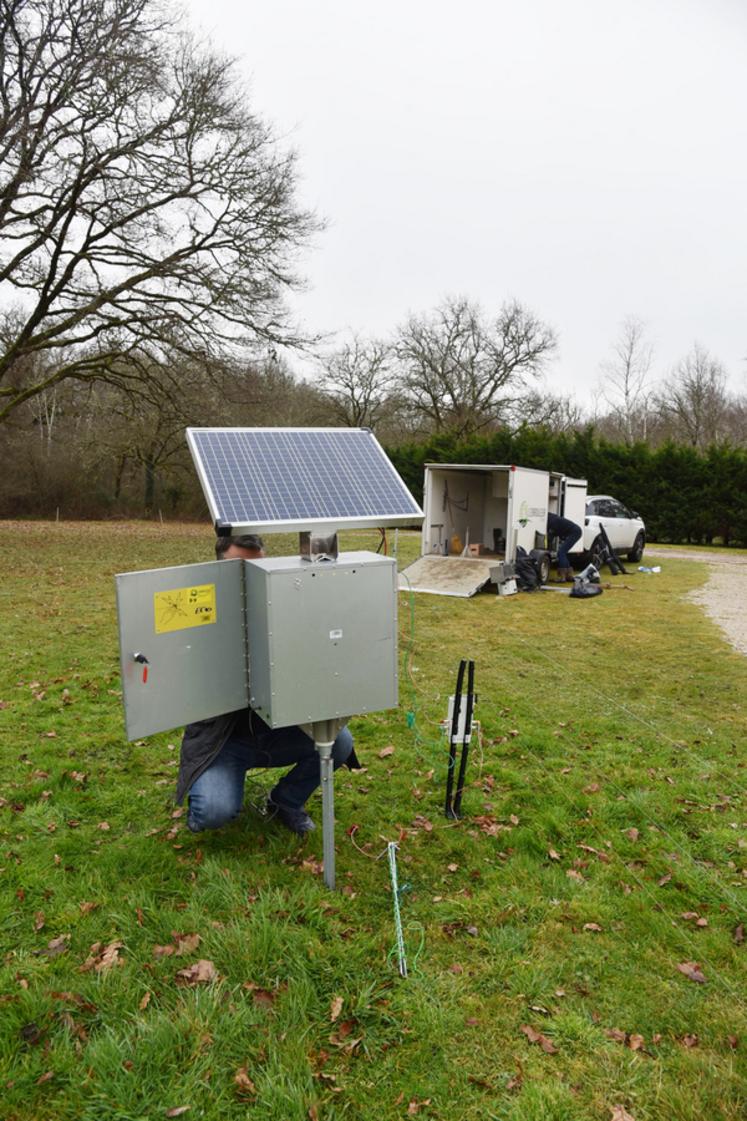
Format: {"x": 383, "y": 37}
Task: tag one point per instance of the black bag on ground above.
{"x": 527, "y": 573}
{"x": 582, "y": 589}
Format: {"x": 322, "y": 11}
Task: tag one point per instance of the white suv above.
{"x": 624, "y": 527}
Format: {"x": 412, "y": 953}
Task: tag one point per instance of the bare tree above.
{"x": 694, "y": 401}
{"x": 462, "y": 373}
{"x": 358, "y": 381}
{"x": 556, "y": 413}
{"x": 624, "y": 387}
{"x": 144, "y": 211}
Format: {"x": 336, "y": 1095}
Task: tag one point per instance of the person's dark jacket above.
{"x": 203, "y": 741}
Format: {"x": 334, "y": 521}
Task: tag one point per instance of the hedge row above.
{"x": 682, "y": 494}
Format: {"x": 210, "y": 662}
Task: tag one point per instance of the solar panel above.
{"x": 277, "y": 479}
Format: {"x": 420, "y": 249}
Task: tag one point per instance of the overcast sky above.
{"x": 585, "y": 157}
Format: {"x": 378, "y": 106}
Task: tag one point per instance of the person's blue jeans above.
{"x": 217, "y": 796}
{"x": 567, "y": 543}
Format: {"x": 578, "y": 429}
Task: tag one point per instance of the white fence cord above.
{"x": 392, "y": 851}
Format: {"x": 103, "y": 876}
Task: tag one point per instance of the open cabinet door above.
{"x": 182, "y": 639}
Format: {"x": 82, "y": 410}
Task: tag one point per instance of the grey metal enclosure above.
{"x": 299, "y": 642}
{"x": 322, "y": 637}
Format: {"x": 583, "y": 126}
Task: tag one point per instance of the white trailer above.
{"x": 477, "y": 515}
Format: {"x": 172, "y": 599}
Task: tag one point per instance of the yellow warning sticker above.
{"x": 184, "y": 607}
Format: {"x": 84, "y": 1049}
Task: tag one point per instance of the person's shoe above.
{"x": 293, "y": 818}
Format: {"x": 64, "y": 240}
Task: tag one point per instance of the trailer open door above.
{"x": 573, "y": 506}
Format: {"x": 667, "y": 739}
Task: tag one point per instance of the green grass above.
{"x": 598, "y": 719}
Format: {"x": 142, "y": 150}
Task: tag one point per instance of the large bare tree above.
{"x": 145, "y": 212}
{"x": 463, "y": 372}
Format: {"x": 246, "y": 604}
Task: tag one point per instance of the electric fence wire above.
{"x": 615, "y": 705}
{"x": 401, "y": 955}
{"x": 556, "y": 661}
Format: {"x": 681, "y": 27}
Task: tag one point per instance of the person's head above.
{"x": 248, "y": 545}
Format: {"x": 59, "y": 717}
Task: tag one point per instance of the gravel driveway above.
{"x": 724, "y": 596}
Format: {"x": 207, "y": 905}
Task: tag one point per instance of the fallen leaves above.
{"x": 692, "y": 971}
{"x": 537, "y": 1037}
{"x": 182, "y": 944}
{"x": 201, "y": 973}
{"x": 594, "y": 927}
{"x": 335, "y": 1008}
{"x": 695, "y": 918}
{"x": 263, "y": 998}
{"x": 620, "y": 1113}
{"x": 57, "y": 946}
{"x": 386, "y": 752}
{"x": 101, "y": 958}
{"x": 245, "y": 1088}
{"x": 628, "y": 1039}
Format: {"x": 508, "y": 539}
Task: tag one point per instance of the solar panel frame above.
{"x": 304, "y": 479}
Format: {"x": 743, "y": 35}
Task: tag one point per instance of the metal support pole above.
{"x": 324, "y": 733}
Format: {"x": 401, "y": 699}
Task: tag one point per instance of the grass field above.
{"x": 575, "y": 944}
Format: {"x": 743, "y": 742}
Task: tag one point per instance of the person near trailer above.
{"x": 567, "y": 533}
{"x": 217, "y": 753}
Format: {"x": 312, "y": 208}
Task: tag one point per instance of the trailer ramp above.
{"x": 446, "y": 576}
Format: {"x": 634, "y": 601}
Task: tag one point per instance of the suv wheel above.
{"x": 639, "y": 545}
{"x": 597, "y": 553}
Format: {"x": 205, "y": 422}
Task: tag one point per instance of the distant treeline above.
{"x": 683, "y": 495}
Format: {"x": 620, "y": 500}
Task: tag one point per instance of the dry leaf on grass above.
{"x": 201, "y": 973}
{"x": 145, "y": 1001}
{"x": 177, "y": 1110}
{"x": 244, "y": 1085}
{"x": 263, "y": 998}
{"x": 335, "y": 1008}
{"x": 535, "y": 1036}
{"x": 57, "y": 946}
{"x": 553, "y": 854}
{"x": 620, "y": 1113}
{"x": 415, "y": 1106}
{"x": 692, "y": 971}
{"x": 594, "y": 927}
{"x": 572, "y": 874}
{"x": 182, "y": 944}
{"x": 386, "y": 752}
{"x": 102, "y": 958}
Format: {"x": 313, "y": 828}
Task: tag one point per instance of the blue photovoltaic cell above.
{"x": 260, "y": 476}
